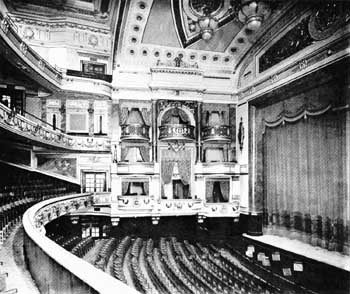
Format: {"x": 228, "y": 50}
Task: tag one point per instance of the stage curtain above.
{"x": 304, "y": 165}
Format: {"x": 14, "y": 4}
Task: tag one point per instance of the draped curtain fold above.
{"x": 123, "y": 115}
{"x": 209, "y": 185}
{"x": 146, "y": 116}
{"x": 146, "y": 187}
{"x": 144, "y": 153}
{"x": 123, "y": 153}
{"x": 183, "y": 160}
{"x": 167, "y": 170}
{"x": 225, "y": 190}
{"x": 125, "y": 187}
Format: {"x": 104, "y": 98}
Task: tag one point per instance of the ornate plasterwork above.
{"x": 52, "y": 211}
{"x": 22, "y": 126}
{"x": 188, "y": 12}
{"x": 146, "y": 55}
{"x": 58, "y": 24}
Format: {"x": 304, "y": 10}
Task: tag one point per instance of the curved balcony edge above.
{"x": 168, "y": 132}
{"x": 10, "y": 36}
{"x": 22, "y": 126}
{"x": 59, "y": 270}
{"x": 216, "y": 133}
{"x": 134, "y": 132}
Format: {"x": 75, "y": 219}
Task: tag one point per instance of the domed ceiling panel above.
{"x": 175, "y": 24}
{"x": 161, "y": 30}
{"x": 220, "y": 40}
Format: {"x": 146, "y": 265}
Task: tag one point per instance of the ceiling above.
{"x": 147, "y": 31}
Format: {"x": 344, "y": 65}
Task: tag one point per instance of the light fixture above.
{"x": 253, "y": 13}
{"x": 207, "y": 25}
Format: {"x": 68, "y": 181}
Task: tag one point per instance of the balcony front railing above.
{"x": 135, "y": 132}
{"x": 216, "y": 133}
{"x": 97, "y": 76}
{"x": 22, "y": 126}
{"x": 176, "y": 132}
{"x": 9, "y": 30}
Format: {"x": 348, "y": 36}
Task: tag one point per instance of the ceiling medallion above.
{"x": 199, "y": 19}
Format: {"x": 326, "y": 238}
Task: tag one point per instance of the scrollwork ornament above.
{"x": 5, "y": 25}
{"x": 24, "y": 48}
{"x": 327, "y": 20}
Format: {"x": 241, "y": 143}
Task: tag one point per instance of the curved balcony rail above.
{"x": 169, "y": 132}
{"x": 59, "y": 270}
{"x": 9, "y": 33}
{"x": 22, "y": 126}
{"x": 135, "y": 132}
{"x": 216, "y": 133}
{"x": 97, "y": 76}
{"x": 229, "y": 209}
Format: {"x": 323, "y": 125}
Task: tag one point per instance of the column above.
{"x": 154, "y": 131}
{"x": 91, "y": 117}
{"x": 199, "y": 132}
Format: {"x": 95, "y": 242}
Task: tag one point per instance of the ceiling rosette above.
{"x": 188, "y": 14}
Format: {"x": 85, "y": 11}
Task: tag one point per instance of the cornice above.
{"x": 300, "y": 67}
{"x": 59, "y": 22}
{"x": 177, "y": 70}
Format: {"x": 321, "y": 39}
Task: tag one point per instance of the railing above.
{"x": 81, "y": 74}
{"x": 75, "y": 274}
{"x": 10, "y": 31}
{"x": 135, "y": 132}
{"x": 176, "y": 132}
{"x": 180, "y": 206}
{"x": 216, "y": 133}
{"x": 135, "y": 202}
{"x": 128, "y": 206}
{"x": 22, "y": 126}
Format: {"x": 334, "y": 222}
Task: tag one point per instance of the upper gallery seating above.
{"x": 20, "y": 189}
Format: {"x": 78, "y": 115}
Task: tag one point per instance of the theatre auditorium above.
{"x": 174, "y": 146}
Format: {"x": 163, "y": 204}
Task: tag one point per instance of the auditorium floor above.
{"x": 317, "y": 253}
{"x": 11, "y": 254}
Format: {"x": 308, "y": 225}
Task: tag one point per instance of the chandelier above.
{"x": 253, "y": 13}
{"x": 207, "y": 25}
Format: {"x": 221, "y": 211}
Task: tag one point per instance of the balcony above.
{"x": 81, "y": 74}
{"x": 19, "y": 125}
{"x": 216, "y": 133}
{"x": 135, "y": 132}
{"x": 176, "y": 132}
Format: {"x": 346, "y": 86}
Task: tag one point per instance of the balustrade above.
{"x": 9, "y": 30}
{"x": 22, "y": 126}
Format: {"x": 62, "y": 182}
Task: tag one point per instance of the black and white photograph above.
{"x": 174, "y": 146}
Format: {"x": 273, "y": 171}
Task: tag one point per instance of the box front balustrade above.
{"x": 216, "y": 133}
{"x": 176, "y": 132}
{"x": 135, "y": 132}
